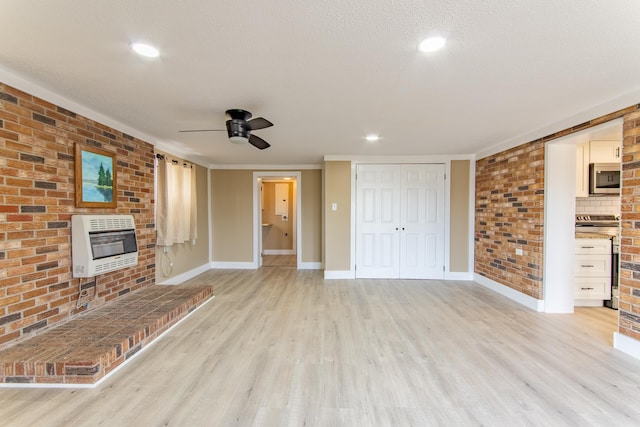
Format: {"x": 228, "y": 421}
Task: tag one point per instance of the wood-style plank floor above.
{"x": 279, "y": 260}
{"x": 282, "y": 347}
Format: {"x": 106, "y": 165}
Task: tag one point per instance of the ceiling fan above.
{"x": 239, "y": 128}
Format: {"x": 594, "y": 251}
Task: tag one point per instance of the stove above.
{"x": 601, "y": 224}
{"x": 607, "y": 225}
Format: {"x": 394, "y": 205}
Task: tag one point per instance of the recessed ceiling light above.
{"x": 145, "y": 50}
{"x": 372, "y": 138}
{"x": 432, "y": 44}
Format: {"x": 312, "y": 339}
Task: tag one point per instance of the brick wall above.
{"x": 629, "y": 306}
{"x": 509, "y": 215}
{"x": 36, "y": 203}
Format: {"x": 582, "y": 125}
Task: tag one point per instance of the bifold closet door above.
{"x": 422, "y": 222}
{"x": 377, "y": 221}
{"x": 400, "y": 221}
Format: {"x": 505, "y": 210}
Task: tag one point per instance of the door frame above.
{"x": 400, "y": 160}
{"x": 296, "y": 178}
{"x": 560, "y": 216}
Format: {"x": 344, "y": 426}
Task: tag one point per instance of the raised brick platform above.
{"x": 85, "y": 349}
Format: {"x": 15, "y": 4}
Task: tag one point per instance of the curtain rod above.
{"x": 175, "y": 162}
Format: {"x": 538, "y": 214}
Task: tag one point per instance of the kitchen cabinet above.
{"x": 592, "y": 269}
{"x": 582, "y": 169}
{"x": 607, "y": 151}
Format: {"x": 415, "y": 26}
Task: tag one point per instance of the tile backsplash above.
{"x": 598, "y": 205}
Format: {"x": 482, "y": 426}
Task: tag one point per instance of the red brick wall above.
{"x": 509, "y": 215}
{"x": 630, "y": 241}
{"x": 36, "y": 203}
{"x": 516, "y": 176}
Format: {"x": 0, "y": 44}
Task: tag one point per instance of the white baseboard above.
{"x": 458, "y": 276}
{"x": 339, "y": 274}
{"x": 626, "y": 344}
{"x": 279, "y": 252}
{"x": 226, "y": 265}
{"x": 512, "y": 294}
{"x": 587, "y": 303}
{"x": 310, "y": 266}
{"x": 176, "y": 280}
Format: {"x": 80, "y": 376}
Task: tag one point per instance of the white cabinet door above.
{"x": 592, "y": 269}
{"x": 582, "y": 170}
{"x": 400, "y": 221}
{"x": 604, "y": 151}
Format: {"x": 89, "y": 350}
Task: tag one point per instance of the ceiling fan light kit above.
{"x": 238, "y": 139}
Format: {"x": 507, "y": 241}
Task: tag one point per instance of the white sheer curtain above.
{"x": 175, "y": 202}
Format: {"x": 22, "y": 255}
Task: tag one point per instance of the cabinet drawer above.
{"x": 592, "y": 288}
{"x": 592, "y": 246}
{"x": 592, "y": 265}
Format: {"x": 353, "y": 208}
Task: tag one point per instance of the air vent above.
{"x": 113, "y": 222}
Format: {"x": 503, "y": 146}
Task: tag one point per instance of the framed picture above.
{"x": 95, "y": 177}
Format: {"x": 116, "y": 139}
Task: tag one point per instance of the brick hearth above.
{"x": 85, "y": 349}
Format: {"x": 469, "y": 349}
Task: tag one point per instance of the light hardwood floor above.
{"x": 282, "y": 347}
{"x": 279, "y": 260}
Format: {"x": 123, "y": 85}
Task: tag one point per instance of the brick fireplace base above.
{"x": 83, "y": 350}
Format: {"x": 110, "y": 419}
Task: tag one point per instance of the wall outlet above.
{"x": 518, "y": 251}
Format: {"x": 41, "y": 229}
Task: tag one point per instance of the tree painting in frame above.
{"x": 95, "y": 177}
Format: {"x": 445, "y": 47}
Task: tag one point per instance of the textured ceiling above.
{"x": 327, "y": 72}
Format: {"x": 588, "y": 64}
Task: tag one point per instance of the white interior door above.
{"x": 400, "y": 221}
{"x": 378, "y": 221}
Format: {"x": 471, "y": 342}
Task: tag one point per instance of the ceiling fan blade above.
{"x": 258, "y": 123}
{"x": 203, "y": 130}
{"x": 258, "y": 142}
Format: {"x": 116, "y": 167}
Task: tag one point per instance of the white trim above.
{"x": 458, "y": 275}
{"x": 339, "y": 274}
{"x": 116, "y": 369}
{"x": 209, "y": 215}
{"x": 10, "y": 78}
{"x": 447, "y": 219}
{"x": 176, "y": 280}
{"x": 396, "y": 159}
{"x": 310, "y": 266}
{"x": 278, "y": 251}
{"x": 257, "y": 212}
{"x": 265, "y": 167}
{"x": 352, "y": 220}
{"x": 559, "y": 226}
{"x": 472, "y": 215}
{"x": 627, "y": 100}
{"x": 626, "y": 344}
{"x": 20, "y": 83}
{"x": 229, "y": 265}
{"x": 588, "y": 302}
{"x": 512, "y": 294}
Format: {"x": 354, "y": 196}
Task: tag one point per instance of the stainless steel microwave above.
{"x": 604, "y": 178}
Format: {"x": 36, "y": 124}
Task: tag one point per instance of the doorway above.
{"x": 276, "y": 219}
{"x": 561, "y": 179}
